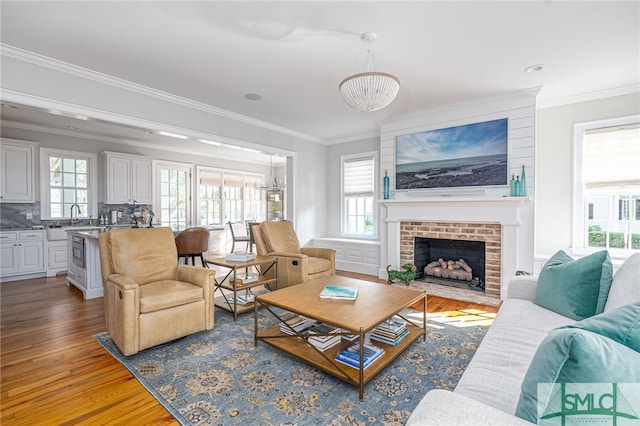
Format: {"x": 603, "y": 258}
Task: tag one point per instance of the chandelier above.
{"x": 370, "y": 90}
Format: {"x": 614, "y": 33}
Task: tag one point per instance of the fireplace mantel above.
{"x": 514, "y": 214}
{"x": 503, "y": 210}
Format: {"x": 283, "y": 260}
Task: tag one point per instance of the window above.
{"x": 229, "y": 196}
{"x": 607, "y": 193}
{"x": 233, "y": 184}
{"x": 253, "y": 204}
{"x": 358, "y": 190}
{"x": 67, "y": 178}
{"x": 174, "y": 194}
{"x": 210, "y": 188}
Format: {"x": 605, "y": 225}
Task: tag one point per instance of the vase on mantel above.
{"x": 523, "y": 183}
{"x": 385, "y": 186}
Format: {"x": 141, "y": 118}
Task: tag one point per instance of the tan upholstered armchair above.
{"x": 295, "y": 264}
{"x": 148, "y": 298}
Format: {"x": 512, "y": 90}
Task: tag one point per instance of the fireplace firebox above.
{"x": 428, "y": 250}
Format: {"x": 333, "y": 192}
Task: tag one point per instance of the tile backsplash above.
{"x": 27, "y": 215}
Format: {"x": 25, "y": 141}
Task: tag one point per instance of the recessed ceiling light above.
{"x": 210, "y": 142}
{"x": 172, "y": 135}
{"x": 149, "y": 132}
{"x": 253, "y": 96}
{"x": 72, "y": 128}
{"x": 9, "y": 106}
{"x": 226, "y": 145}
{"x": 534, "y": 68}
{"x": 251, "y": 150}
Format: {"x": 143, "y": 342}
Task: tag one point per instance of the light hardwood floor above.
{"x": 54, "y": 372}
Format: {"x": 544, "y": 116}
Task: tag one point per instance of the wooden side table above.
{"x": 239, "y": 282}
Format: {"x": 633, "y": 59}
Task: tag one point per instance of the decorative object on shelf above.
{"x": 385, "y": 185}
{"x": 370, "y": 90}
{"x": 517, "y": 187}
{"x": 408, "y": 275}
{"x": 523, "y": 183}
{"x": 512, "y": 185}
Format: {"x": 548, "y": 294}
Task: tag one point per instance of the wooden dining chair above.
{"x": 239, "y": 234}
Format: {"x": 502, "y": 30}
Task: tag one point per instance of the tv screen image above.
{"x": 462, "y": 156}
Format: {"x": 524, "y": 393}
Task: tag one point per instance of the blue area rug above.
{"x": 218, "y": 377}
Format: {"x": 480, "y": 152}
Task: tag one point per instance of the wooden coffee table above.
{"x": 374, "y": 304}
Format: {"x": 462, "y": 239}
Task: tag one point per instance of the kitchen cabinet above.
{"x": 22, "y": 255}
{"x": 57, "y": 257}
{"x": 129, "y": 178}
{"x": 17, "y": 171}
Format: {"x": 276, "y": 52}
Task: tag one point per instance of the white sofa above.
{"x": 489, "y": 390}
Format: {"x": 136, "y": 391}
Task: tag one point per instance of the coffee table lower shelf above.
{"x": 298, "y": 347}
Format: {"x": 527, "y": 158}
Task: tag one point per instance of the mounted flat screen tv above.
{"x": 470, "y": 155}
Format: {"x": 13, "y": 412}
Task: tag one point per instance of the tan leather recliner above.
{"x": 295, "y": 264}
{"x": 148, "y": 298}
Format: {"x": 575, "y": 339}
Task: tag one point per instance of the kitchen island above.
{"x": 84, "y": 262}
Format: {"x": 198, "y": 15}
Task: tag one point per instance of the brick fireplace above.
{"x": 489, "y": 233}
{"x": 505, "y": 224}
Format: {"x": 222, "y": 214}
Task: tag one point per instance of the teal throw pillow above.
{"x": 621, "y": 324}
{"x": 575, "y": 288}
{"x": 573, "y": 355}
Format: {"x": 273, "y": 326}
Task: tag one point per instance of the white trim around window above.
{"x": 45, "y": 188}
{"x": 363, "y": 188}
{"x": 580, "y": 209}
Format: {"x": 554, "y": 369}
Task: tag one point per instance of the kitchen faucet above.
{"x": 77, "y": 214}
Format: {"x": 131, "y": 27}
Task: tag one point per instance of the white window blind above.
{"x": 358, "y": 177}
{"x": 611, "y": 157}
{"x": 210, "y": 177}
{"x": 233, "y": 180}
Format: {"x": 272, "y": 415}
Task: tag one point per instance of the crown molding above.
{"x": 609, "y": 93}
{"x": 85, "y": 73}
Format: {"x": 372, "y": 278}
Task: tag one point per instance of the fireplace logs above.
{"x": 453, "y": 269}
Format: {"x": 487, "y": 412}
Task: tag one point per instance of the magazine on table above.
{"x": 339, "y": 292}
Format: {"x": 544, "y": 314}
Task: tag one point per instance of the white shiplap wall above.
{"x": 520, "y": 109}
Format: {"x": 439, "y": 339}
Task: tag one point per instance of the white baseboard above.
{"x": 360, "y": 268}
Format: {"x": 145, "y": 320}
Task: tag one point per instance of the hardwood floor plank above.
{"x": 52, "y": 371}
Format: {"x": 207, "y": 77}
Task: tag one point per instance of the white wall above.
{"x": 555, "y": 165}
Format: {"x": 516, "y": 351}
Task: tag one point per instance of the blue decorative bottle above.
{"x": 512, "y": 185}
{"x": 385, "y": 186}
{"x": 523, "y": 183}
{"x": 517, "y": 186}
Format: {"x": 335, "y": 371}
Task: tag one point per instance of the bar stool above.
{"x": 193, "y": 242}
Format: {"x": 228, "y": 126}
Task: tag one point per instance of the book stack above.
{"x": 299, "y": 323}
{"x": 243, "y": 299}
{"x": 240, "y": 257}
{"x": 327, "y": 340}
{"x": 339, "y": 292}
{"x": 243, "y": 279}
{"x": 351, "y": 356}
{"x": 391, "y": 331}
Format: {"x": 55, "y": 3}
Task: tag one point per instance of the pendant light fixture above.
{"x": 370, "y": 90}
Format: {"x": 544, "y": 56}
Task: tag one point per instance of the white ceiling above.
{"x": 294, "y": 54}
